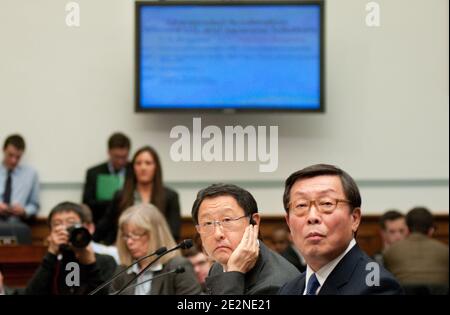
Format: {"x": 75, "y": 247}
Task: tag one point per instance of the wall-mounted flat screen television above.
{"x": 243, "y": 56}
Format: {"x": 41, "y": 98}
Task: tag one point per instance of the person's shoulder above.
{"x": 215, "y": 269}
{"x": 293, "y": 286}
{"x": 374, "y": 273}
{"x": 178, "y": 261}
{"x": 397, "y": 248}
{"x": 170, "y": 193}
{"x": 277, "y": 261}
{"x": 438, "y": 244}
{"x": 105, "y": 259}
{"x": 99, "y": 168}
{"x": 274, "y": 270}
{"x": 26, "y": 168}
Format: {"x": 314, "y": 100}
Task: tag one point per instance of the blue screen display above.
{"x": 263, "y": 56}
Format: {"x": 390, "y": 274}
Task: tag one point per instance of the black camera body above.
{"x": 79, "y": 236}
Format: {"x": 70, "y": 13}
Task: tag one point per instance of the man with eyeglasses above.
{"x": 323, "y": 211}
{"x": 66, "y": 269}
{"x": 226, "y": 217}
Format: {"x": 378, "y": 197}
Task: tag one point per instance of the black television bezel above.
{"x": 140, "y": 109}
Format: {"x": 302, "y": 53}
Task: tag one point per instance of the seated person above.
{"x": 419, "y": 259}
{"x": 117, "y": 164}
{"x": 393, "y": 229}
{"x": 142, "y": 230}
{"x": 227, "y": 219}
{"x": 98, "y": 248}
{"x": 323, "y": 212}
{"x": 144, "y": 184}
{"x": 201, "y": 264}
{"x": 282, "y": 243}
{"x": 19, "y": 192}
{"x": 66, "y": 269}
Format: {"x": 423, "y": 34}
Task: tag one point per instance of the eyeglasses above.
{"x": 68, "y": 223}
{"x": 227, "y": 224}
{"x": 327, "y": 205}
{"x": 133, "y": 236}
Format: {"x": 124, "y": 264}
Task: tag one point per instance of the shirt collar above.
{"x": 137, "y": 197}
{"x": 4, "y": 169}
{"x": 135, "y": 269}
{"x": 323, "y": 273}
{"x": 113, "y": 171}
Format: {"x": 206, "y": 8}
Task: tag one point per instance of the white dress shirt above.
{"x": 144, "y": 288}
{"x": 323, "y": 273}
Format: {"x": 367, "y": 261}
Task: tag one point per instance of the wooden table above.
{"x": 19, "y": 262}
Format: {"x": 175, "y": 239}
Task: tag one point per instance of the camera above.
{"x": 79, "y": 236}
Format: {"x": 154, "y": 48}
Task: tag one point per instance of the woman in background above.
{"x": 143, "y": 185}
{"x": 142, "y": 230}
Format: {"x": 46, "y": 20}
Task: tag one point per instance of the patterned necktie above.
{"x": 313, "y": 285}
{"x": 8, "y": 189}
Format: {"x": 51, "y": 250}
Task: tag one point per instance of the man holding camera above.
{"x": 70, "y": 266}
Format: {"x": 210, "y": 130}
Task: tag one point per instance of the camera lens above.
{"x": 79, "y": 236}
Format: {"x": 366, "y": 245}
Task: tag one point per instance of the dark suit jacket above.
{"x": 291, "y": 255}
{"x": 106, "y": 230}
{"x": 348, "y": 278}
{"x": 172, "y": 284}
{"x": 52, "y": 271}
{"x": 270, "y": 272}
{"x": 90, "y": 189}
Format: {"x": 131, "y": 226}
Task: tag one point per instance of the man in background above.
{"x": 282, "y": 243}
{"x": 201, "y": 264}
{"x": 66, "y": 269}
{"x": 393, "y": 229}
{"x": 104, "y": 179}
{"x": 19, "y": 192}
{"x": 97, "y": 247}
{"x": 419, "y": 259}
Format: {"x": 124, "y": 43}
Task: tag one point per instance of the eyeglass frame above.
{"x": 219, "y": 222}
{"x": 133, "y": 236}
{"x": 67, "y": 223}
{"x": 314, "y": 201}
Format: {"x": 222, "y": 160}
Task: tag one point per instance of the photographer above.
{"x": 70, "y": 266}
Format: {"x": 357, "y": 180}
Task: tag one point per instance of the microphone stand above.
{"x": 159, "y": 252}
{"x": 179, "y": 269}
{"x": 184, "y": 245}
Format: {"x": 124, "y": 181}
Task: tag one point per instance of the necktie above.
{"x": 8, "y": 189}
{"x": 313, "y": 285}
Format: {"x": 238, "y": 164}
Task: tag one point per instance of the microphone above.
{"x": 185, "y": 244}
{"x": 157, "y": 252}
{"x": 179, "y": 269}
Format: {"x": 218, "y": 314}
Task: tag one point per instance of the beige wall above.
{"x": 66, "y": 89}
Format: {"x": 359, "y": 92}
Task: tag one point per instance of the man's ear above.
{"x": 356, "y": 219}
{"x": 256, "y": 219}
{"x": 286, "y": 218}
